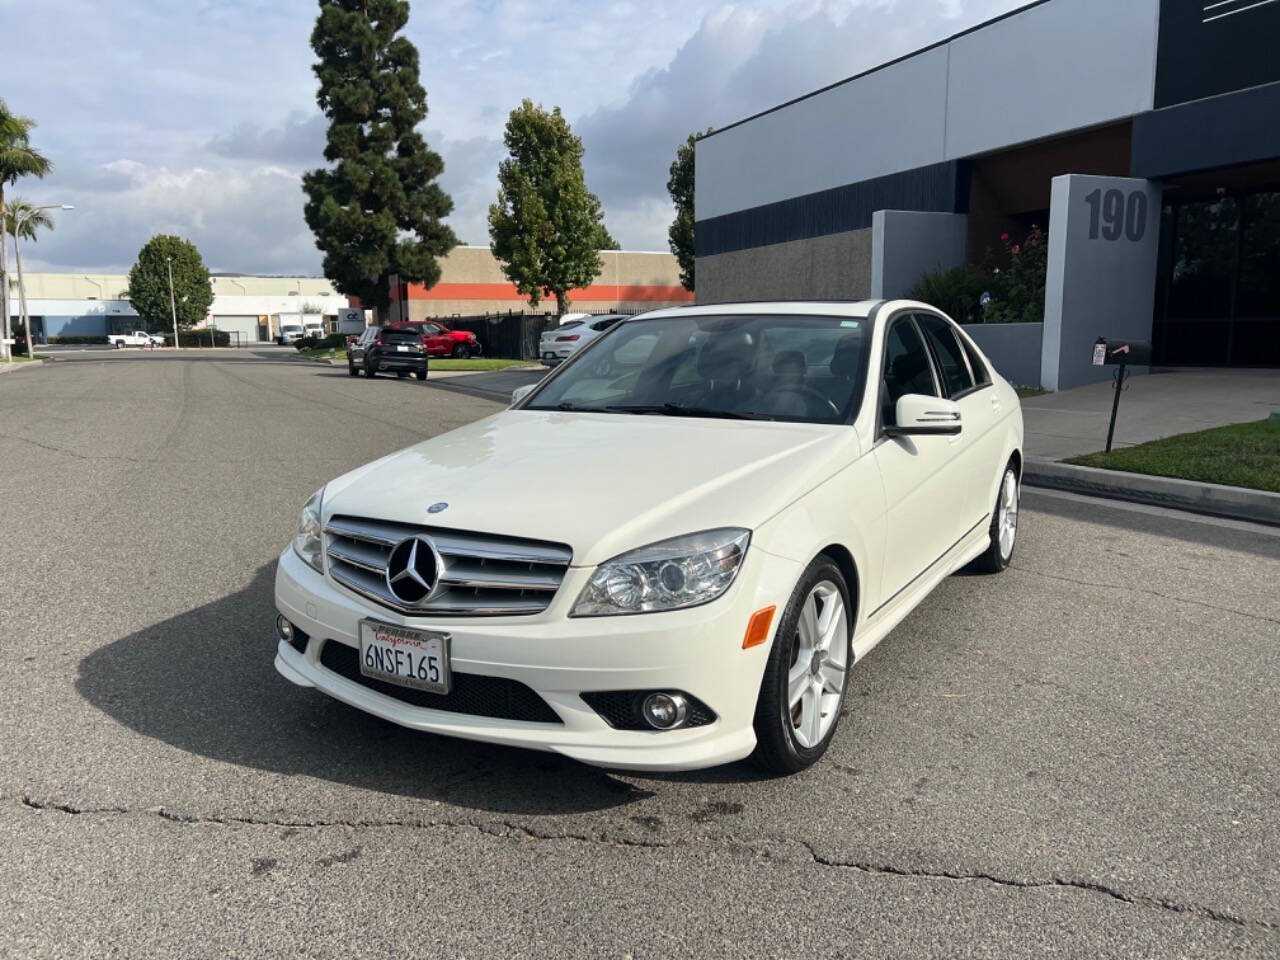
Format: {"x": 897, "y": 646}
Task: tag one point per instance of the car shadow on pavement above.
{"x": 203, "y": 682}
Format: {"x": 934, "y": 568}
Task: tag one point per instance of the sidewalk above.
{"x": 1161, "y": 404}
{"x": 1071, "y": 422}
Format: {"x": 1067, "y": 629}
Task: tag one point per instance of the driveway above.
{"x": 1074, "y": 758}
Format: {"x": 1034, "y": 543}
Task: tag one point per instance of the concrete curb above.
{"x": 1214, "y": 499}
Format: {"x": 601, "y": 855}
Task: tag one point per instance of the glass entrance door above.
{"x": 1220, "y": 299}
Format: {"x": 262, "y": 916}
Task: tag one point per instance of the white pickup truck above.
{"x": 135, "y": 339}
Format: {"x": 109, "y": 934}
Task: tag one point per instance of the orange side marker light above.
{"x": 758, "y": 628}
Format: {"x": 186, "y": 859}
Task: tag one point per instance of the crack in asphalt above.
{"x": 508, "y": 830}
{"x": 1088, "y": 886}
{"x": 1153, "y": 593}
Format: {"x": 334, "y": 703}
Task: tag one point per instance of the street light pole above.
{"x": 173, "y": 306}
{"x": 22, "y": 287}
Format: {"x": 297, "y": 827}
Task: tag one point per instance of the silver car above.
{"x": 557, "y": 344}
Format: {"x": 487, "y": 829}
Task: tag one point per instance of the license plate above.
{"x": 403, "y": 349}
{"x": 410, "y": 658}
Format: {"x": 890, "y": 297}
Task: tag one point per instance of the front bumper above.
{"x": 698, "y": 651}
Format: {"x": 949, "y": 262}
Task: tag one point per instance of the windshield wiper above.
{"x": 682, "y": 410}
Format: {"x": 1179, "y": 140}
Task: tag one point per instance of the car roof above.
{"x": 826, "y": 308}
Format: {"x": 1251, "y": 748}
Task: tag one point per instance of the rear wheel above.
{"x": 1004, "y": 525}
{"x": 351, "y": 368}
{"x": 420, "y": 374}
{"x": 369, "y": 368}
{"x": 802, "y": 692}
{"x": 462, "y": 351}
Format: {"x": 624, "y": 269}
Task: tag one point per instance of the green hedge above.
{"x": 78, "y": 341}
{"x": 334, "y": 341}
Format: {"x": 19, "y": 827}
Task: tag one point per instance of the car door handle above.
{"x": 995, "y": 404}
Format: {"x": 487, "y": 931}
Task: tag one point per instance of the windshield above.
{"x": 764, "y": 366}
{"x": 291, "y": 328}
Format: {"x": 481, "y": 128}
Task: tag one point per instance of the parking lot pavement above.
{"x": 1074, "y": 758}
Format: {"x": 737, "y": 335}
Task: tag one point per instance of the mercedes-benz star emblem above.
{"x": 412, "y": 570}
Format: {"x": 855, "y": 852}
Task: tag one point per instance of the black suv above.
{"x": 385, "y": 348}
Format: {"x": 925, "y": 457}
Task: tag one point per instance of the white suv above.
{"x": 560, "y": 343}
{"x": 761, "y": 493}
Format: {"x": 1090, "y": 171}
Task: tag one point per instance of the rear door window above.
{"x": 956, "y": 377}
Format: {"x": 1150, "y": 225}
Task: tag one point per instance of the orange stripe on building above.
{"x": 646, "y": 293}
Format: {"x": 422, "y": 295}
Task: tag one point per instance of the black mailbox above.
{"x": 1109, "y": 351}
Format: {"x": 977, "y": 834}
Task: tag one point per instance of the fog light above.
{"x": 664, "y": 711}
{"x": 284, "y": 629}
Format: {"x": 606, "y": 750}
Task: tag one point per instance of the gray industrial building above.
{"x": 1145, "y": 134}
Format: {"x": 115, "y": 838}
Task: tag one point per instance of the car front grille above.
{"x": 478, "y": 574}
{"x": 471, "y": 693}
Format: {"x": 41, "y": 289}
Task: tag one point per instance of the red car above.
{"x": 440, "y": 341}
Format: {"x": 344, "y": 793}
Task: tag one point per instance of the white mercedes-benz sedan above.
{"x": 769, "y": 489}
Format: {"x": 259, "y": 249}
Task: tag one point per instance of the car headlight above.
{"x": 309, "y": 543}
{"x": 681, "y": 572}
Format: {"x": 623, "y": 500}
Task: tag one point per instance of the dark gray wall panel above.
{"x": 939, "y": 188}
{"x": 1235, "y": 128}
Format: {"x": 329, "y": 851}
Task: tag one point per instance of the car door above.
{"x": 922, "y": 516}
{"x": 977, "y": 446}
{"x": 360, "y": 351}
{"x": 436, "y": 339}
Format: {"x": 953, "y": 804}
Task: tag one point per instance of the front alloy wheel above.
{"x": 807, "y": 672}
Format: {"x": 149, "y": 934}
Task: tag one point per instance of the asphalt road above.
{"x": 1076, "y": 758}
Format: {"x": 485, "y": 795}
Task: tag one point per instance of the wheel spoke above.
{"x": 831, "y": 624}
{"x": 811, "y": 717}
{"x": 797, "y": 683}
{"x": 833, "y": 677}
{"x": 809, "y": 623}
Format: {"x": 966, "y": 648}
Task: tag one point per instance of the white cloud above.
{"x": 203, "y": 119}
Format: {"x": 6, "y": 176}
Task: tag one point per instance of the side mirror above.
{"x": 519, "y": 393}
{"x": 918, "y": 415}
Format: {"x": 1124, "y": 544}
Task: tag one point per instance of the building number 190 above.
{"x": 1112, "y": 214}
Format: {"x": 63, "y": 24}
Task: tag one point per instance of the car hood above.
{"x": 602, "y": 483}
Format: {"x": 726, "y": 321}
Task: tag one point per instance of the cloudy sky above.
{"x": 197, "y": 117}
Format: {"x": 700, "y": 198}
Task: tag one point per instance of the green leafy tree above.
{"x": 680, "y": 186}
{"x": 17, "y": 159}
{"x": 376, "y": 209}
{"x": 547, "y": 229}
{"x": 149, "y": 283}
{"x": 23, "y": 221}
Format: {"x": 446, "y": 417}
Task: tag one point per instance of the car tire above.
{"x": 798, "y": 709}
{"x": 420, "y": 374}
{"x": 1004, "y": 524}
{"x": 370, "y": 370}
{"x": 351, "y": 369}
{"x": 462, "y": 352}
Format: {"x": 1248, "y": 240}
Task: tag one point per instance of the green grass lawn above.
{"x": 1239, "y": 455}
{"x": 1024, "y": 392}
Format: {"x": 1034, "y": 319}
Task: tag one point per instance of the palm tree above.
{"x": 22, "y": 221}
{"x": 17, "y": 159}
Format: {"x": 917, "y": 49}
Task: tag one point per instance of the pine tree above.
{"x": 376, "y": 209}
{"x": 547, "y": 229}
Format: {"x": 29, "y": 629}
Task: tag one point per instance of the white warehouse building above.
{"x": 93, "y": 305}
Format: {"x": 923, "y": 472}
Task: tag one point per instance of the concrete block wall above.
{"x": 834, "y": 267}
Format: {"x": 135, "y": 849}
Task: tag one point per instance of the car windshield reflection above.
{"x": 799, "y": 368}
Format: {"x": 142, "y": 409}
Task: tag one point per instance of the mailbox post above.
{"x": 1119, "y": 352}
